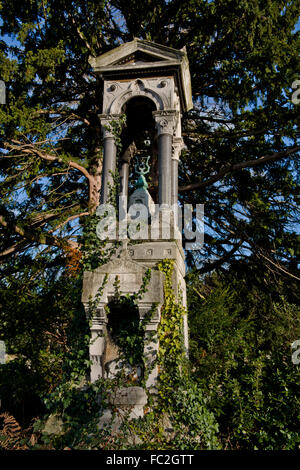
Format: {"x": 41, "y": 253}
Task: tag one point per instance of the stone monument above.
{"x": 150, "y": 84}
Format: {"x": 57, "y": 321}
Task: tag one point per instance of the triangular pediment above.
{"x": 138, "y": 57}
{"x": 135, "y": 51}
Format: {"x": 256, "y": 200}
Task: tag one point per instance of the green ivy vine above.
{"x": 172, "y": 358}
{"x": 131, "y": 335}
{"x": 115, "y": 126}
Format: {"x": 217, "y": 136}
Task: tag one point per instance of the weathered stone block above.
{"x": 129, "y": 396}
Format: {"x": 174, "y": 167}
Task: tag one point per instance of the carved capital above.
{"x": 165, "y": 121}
{"x": 105, "y": 120}
{"x": 177, "y": 147}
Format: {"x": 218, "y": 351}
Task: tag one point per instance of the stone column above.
{"x": 177, "y": 147}
{"x": 124, "y": 173}
{"x": 124, "y": 176}
{"x": 165, "y": 124}
{"x": 97, "y": 344}
{"x": 109, "y": 154}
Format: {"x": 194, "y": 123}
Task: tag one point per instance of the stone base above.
{"x": 129, "y": 266}
{"x": 128, "y": 402}
{"x": 128, "y": 396}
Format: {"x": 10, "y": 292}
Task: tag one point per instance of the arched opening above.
{"x": 139, "y": 141}
{"x": 125, "y": 337}
{"x": 140, "y": 122}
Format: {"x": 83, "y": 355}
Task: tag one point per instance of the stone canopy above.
{"x": 141, "y": 57}
{"x": 146, "y": 87}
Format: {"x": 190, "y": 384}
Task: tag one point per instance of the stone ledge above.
{"x": 129, "y": 396}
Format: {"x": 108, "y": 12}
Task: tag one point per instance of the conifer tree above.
{"x": 242, "y": 137}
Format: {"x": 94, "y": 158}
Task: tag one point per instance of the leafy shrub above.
{"x": 241, "y": 358}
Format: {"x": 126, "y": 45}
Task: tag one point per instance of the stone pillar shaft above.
{"x": 109, "y": 155}
{"x": 124, "y": 177}
{"x": 177, "y": 147}
{"x": 165, "y": 124}
{"x": 174, "y": 195}
{"x": 109, "y": 167}
{"x": 164, "y": 162}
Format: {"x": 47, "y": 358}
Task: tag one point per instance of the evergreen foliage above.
{"x": 242, "y": 143}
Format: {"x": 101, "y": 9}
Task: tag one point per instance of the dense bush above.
{"x": 241, "y": 339}
{"x": 241, "y": 390}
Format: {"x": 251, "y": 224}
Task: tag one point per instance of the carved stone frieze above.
{"x": 160, "y": 91}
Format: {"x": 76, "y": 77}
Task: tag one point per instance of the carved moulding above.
{"x": 105, "y": 120}
{"x": 166, "y": 121}
{"x": 177, "y": 147}
{"x": 161, "y": 92}
{"x": 130, "y": 275}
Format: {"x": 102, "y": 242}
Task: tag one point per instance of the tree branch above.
{"x": 80, "y": 34}
{"x": 13, "y": 249}
{"x": 215, "y": 264}
{"x": 239, "y": 166}
{"x": 72, "y": 217}
{"x": 30, "y": 148}
{"x": 35, "y": 236}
